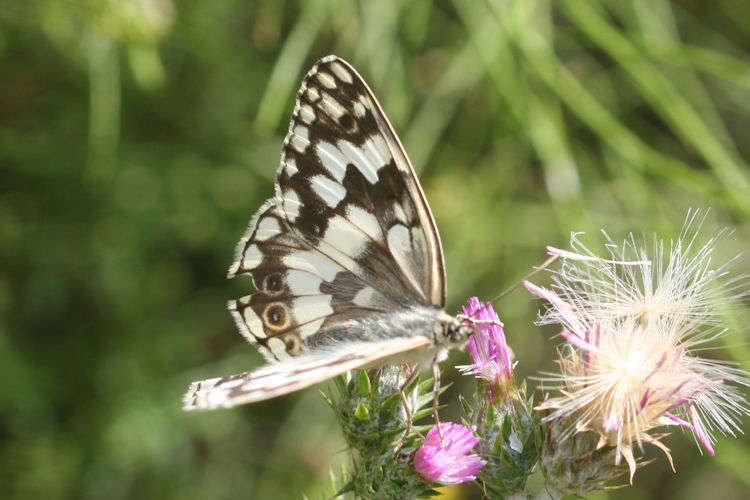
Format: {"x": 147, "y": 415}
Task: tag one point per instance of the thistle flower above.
{"x": 370, "y": 410}
{"x": 447, "y": 460}
{"x": 491, "y": 356}
{"x": 633, "y": 326}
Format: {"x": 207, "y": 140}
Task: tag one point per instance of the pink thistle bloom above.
{"x": 447, "y": 460}
{"x": 491, "y": 356}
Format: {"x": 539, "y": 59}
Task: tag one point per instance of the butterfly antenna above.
{"x": 541, "y": 267}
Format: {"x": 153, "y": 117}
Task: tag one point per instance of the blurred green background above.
{"x": 138, "y": 137}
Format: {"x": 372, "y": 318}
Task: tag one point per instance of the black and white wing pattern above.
{"x": 346, "y": 257}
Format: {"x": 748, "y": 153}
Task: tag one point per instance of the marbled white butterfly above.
{"x": 346, "y": 257}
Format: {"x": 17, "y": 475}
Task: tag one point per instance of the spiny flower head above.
{"x": 491, "y": 356}
{"x": 445, "y": 458}
{"x": 633, "y": 326}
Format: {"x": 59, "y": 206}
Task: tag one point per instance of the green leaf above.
{"x": 362, "y": 413}
{"x": 364, "y": 383}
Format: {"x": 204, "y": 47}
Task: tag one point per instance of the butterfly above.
{"x": 346, "y": 258}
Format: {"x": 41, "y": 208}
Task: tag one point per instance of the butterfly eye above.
{"x": 459, "y": 333}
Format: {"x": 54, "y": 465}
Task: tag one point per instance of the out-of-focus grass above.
{"x": 137, "y": 139}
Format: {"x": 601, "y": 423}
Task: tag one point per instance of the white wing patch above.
{"x": 302, "y": 282}
{"x": 366, "y": 221}
{"x": 252, "y": 256}
{"x": 306, "y": 114}
{"x": 267, "y": 228}
{"x": 311, "y": 307}
{"x": 290, "y": 166}
{"x": 326, "y": 80}
{"x": 400, "y": 245}
{"x": 341, "y": 72}
{"x": 332, "y": 159}
{"x": 278, "y": 349}
{"x": 330, "y": 191}
{"x": 310, "y": 328}
{"x": 253, "y": 322}
{"x": 314, "y": 263}
{"x": 359, "y": 109}
{"x": 358, "y": 157}
{"x": 345, "y": 239}
{"x": 377, "y": 151}
{"x": 291, "y": 204}
{"x": 298, "y": 139}
{"x": 332, "y": 107}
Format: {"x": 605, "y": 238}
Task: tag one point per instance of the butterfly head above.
{"x": 453, "y": 331}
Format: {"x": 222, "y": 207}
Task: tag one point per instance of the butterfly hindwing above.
{"x": 294, "y": 374}
{"x": 302, "y": 293}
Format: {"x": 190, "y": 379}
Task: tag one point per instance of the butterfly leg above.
{"x": 436, "y": 389}
{"x": 410, "y": 380}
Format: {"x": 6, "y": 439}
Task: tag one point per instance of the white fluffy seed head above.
{"x": 633, "y": 329}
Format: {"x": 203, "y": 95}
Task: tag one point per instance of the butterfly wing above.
{"x": 346, "y": 186}
{"x": 349, "y": 233}
{"x": 295, "y": 374}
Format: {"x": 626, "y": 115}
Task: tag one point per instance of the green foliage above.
{"x": 138, "y": 138}
{"x": 510, "y": 443}
{"x": 579, "y": 464}
{"x": 374, "y": 422}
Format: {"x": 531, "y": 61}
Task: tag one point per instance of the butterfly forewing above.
{"x": 347, "y": 187}
{"x": 346, "y": 254}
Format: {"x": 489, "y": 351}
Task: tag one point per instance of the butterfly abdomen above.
{"x": 378, "y": 326}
